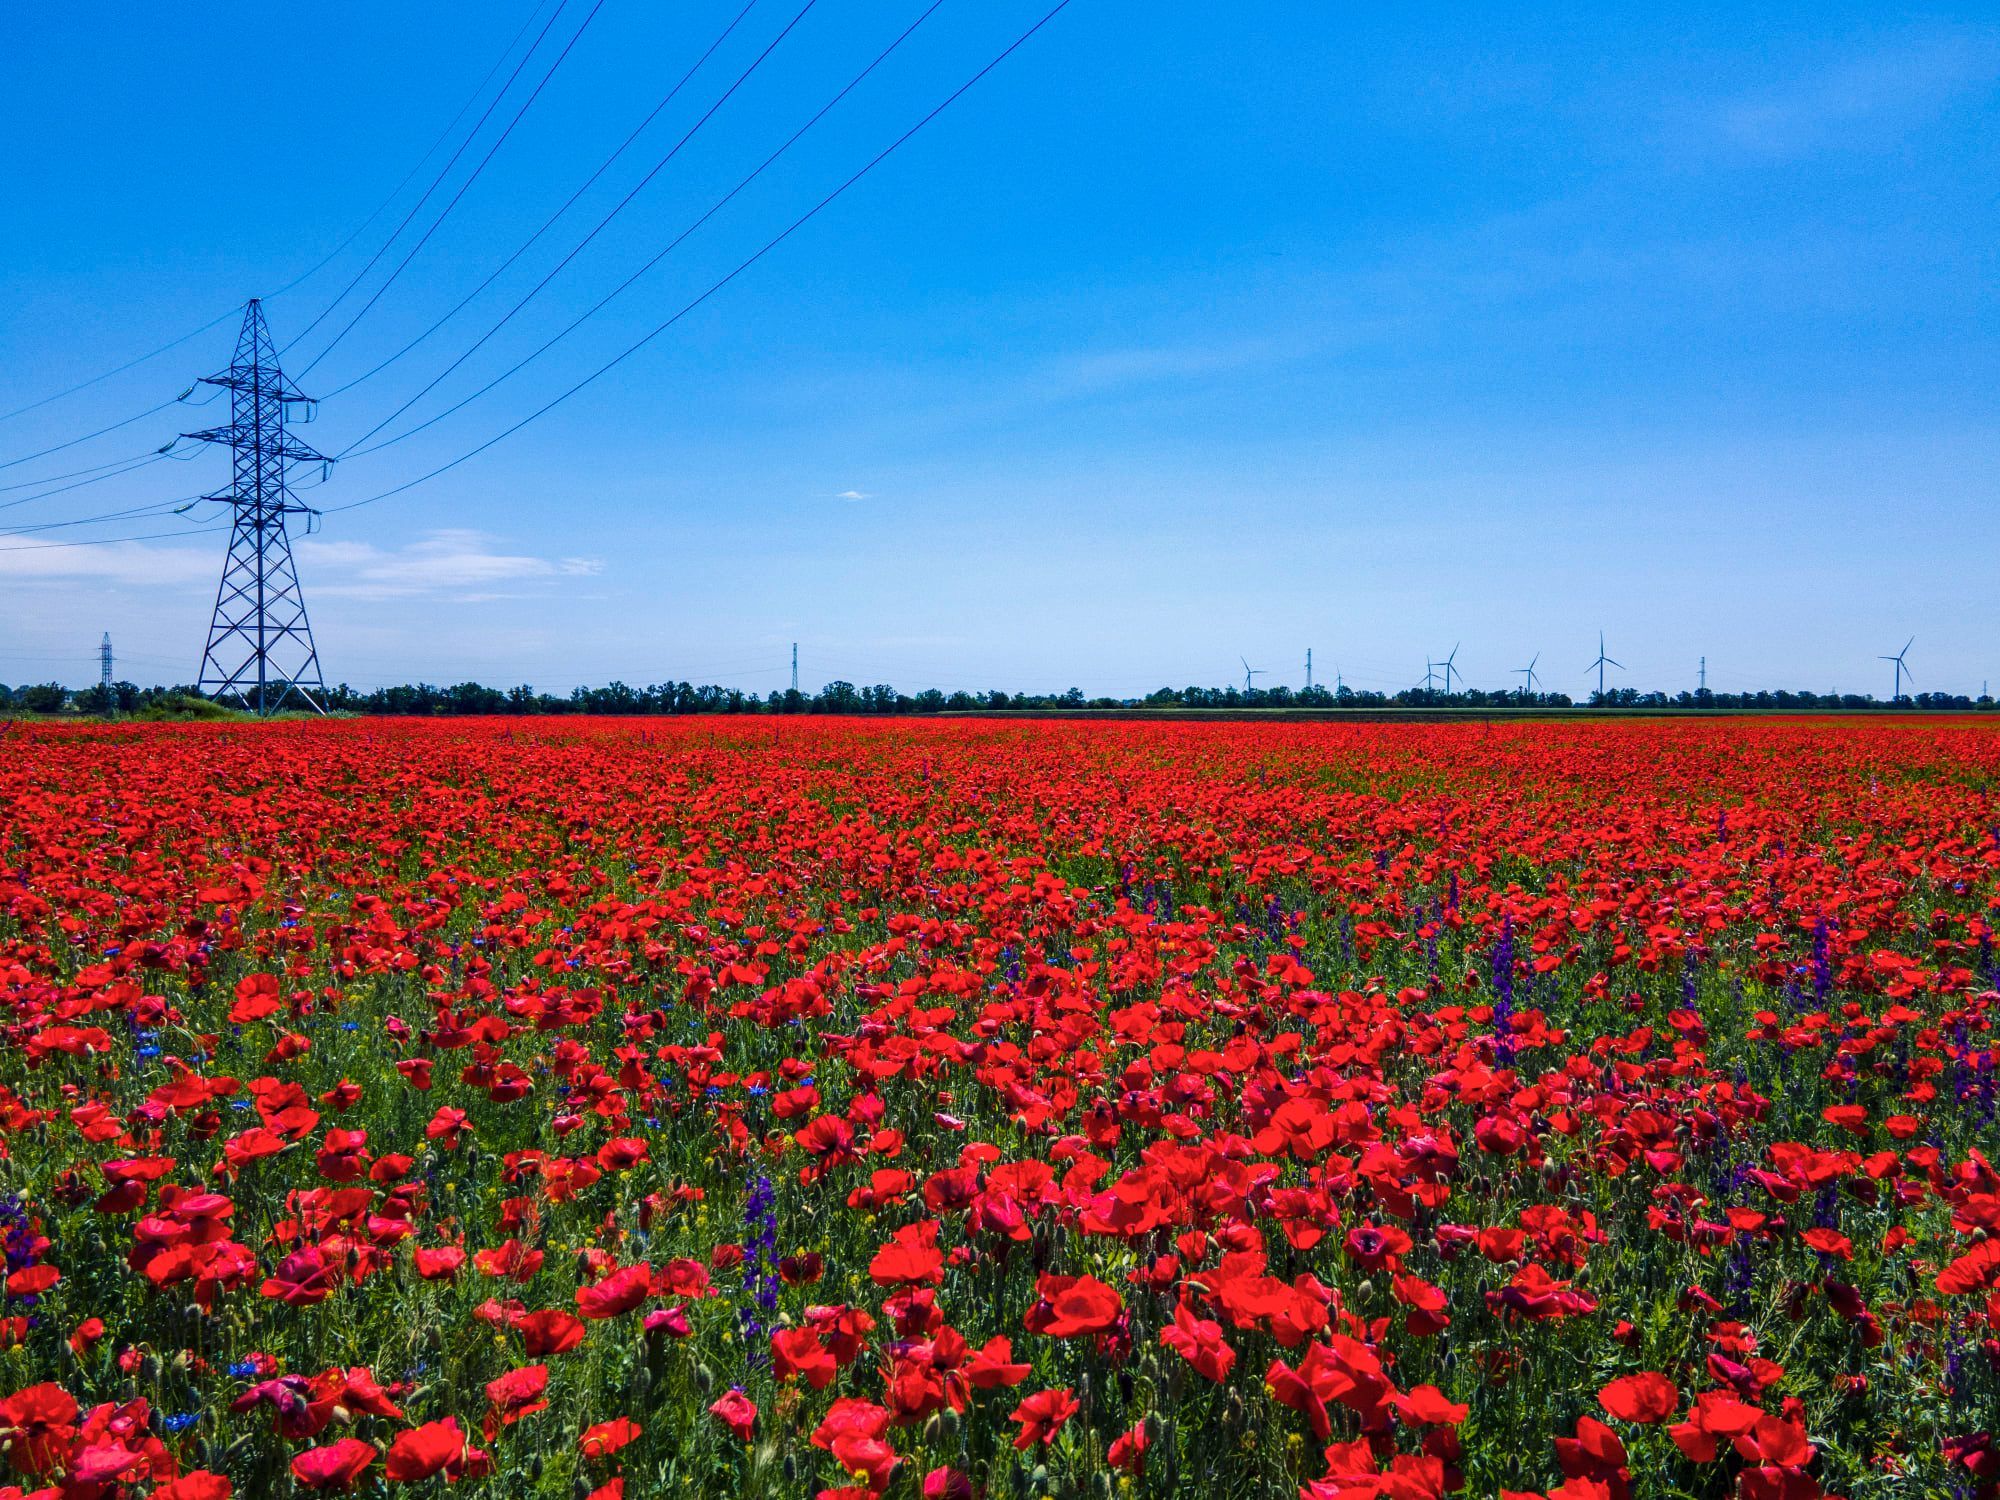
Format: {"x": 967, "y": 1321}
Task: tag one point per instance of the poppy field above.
{"x": 970, "y": 1109}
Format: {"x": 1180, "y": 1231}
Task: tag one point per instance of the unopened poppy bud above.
{"x": 704, "y": 1379}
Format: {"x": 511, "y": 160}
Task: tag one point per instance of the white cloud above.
{"x": 27, "y": 561}
{"x": 462, "y": 563}
{"x": 1103, "y": 371}
{"x": 853, "y": 495}
{"x": 1860, "y": 98}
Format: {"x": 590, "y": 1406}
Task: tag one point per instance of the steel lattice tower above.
{"x": 260, "y": 645}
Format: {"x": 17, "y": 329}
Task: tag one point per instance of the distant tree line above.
{"x": 466, "y": 698}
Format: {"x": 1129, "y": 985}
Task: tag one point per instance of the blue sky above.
{"x": 1191, "y": 333}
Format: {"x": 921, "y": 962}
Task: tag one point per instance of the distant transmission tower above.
{"x": 104, "y": 675}
{"x": 795, "y": 666}
{"x": 260, "y": 645}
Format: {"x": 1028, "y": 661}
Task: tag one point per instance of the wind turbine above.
{"x": 1450, "y": 666}
{"x": 1900, "y": 668}
{"x": 1529, "y": 672}
{"x": 1429, "y": 667}
{"x": 1601, "y": 663}
{"x": 1249, "y": 672}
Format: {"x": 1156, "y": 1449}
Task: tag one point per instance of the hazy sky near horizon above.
{"x": 1191, "y": 333}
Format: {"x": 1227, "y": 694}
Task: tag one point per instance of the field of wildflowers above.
{"x": 958, "y": 1109}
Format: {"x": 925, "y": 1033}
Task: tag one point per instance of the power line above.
{"x": 769, "y": 245}
{"x": 58, "y": 447}
{"x": 549, "y": 222}
{"x": 119, "y": 370}
{"x": 436, "y": 181}
{"x": 109, "y": 463}
{"x": 106, "y": 541}
{"x": 80, "y": 483}
{"x": 661, "y": 255}
{"x": 463, "y": 189}
{"x": 617, "y": 209}
{"x": 152, "y": 508}
{"x": 314, "y": 269}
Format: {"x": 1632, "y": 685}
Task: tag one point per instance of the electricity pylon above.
{"x": 260, "y": 645}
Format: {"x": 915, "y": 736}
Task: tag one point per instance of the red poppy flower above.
{"x": 518, "y": 1393}
{"x": 1068, "y": 1306}
{"x": 196, "y": 1484}
{"x": 335, "y": 1466}
{"x": 910, "y": 1258}
{"x": 1042, "y": 1415}
{"x": 1646, "y": 1397}
{"x": 620, "y": 1292}
{"x": 737, "y": 1412}
{"x": 423, "y": 1451}
{"x": 1199, "y": 1341}
{"x": 798, "y": 1351}
{"x": 602, "y": 1439}
{"x": 40, "y": 1423}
